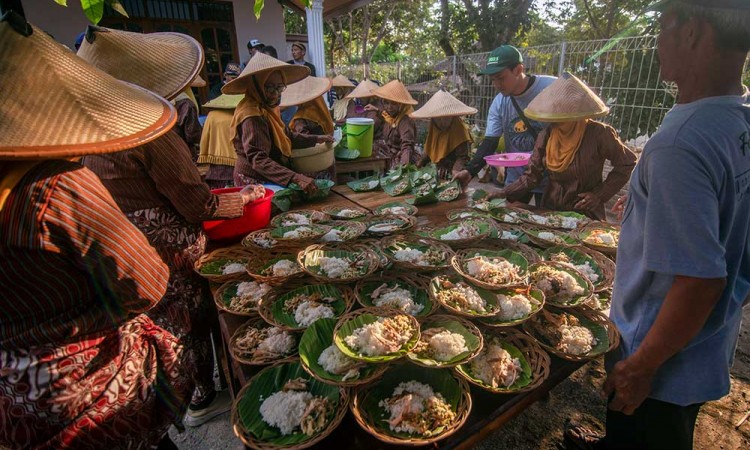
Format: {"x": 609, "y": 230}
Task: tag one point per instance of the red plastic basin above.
{"x": 256, "y": 215}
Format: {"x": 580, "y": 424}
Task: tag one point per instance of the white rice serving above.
{"x": 308, "y": 312}
{"x": 232, "y": 268}
{"x": 284, "y": 410}
{"x": 513, "y": 307}
{"x": 576, "y": 340}
{"x": 284, "y": 267}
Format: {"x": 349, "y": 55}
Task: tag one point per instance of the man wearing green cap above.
{"x": 506, "y": 71}
{"x": 683, "y": 263}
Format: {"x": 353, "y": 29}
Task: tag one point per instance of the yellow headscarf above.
{"x": 316, "y": 111}
{"x": 11, "y": 174}
{"x": 216, "y": 143}
{"x": 340, "y": 108}
{"x": 254, "y": 106}
{"x": 562, "y": 145}
{"x": 393, "y": 121}
{"x": 186, "y": 94}
{"x": 440, "y": 143}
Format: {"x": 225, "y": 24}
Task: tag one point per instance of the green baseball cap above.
{"x": 711, "y": 4}
{"x": 502, "y": 58}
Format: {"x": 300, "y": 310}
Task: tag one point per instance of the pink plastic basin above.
{"x": 508, "y": 159}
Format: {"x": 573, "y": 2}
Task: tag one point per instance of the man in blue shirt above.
{"x": 506, "y": 71}
{"x": 683, "y": 264}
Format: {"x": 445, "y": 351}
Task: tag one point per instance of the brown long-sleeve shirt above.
{"x": 600, "y": 143}
{"x": 161, "y": 173}
{"x": 258, "y": 158}
{"x": 188, "y": 126}
{"x": 397, "y": 143}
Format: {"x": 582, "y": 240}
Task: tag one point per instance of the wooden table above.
{"x": 489, "y": 411}
{"x": 372, "y": 164}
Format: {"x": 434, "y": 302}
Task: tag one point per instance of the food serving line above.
{"x": 489, "y": 411}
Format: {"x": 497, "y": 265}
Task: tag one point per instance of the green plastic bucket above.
{"x": 359, "y": 132}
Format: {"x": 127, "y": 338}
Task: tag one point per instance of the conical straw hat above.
{"x": 55, "y": 105}
{"x": 340, "y": 81}
{"x": 395, "y": 91}
{"x": 262, "y": 63}
{"x": 198, "y": 82}
{"x": 303, "y": 91}
{"x": 224, "y": 101}
{"x": 163, "y": 63}
{"x": 363, "y": 89}
{"x": 567, "y": 99}
{"x": 442, "y": 104}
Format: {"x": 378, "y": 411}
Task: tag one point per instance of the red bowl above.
{"x": 508, "y": 159}
{"x": 256, "y": 215}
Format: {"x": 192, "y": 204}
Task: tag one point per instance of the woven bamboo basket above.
{"x": 537, "y": 358}
{"x": 470, "y": 241}
{"x": 567, "y": 267}
{"x": 606, "y": 265}
{"x": 356, "y": 229}
{"x": 607, "y": 250}
{"x": 373, "y": 245}
{"x": 411, "y": 209}
{"x": 404, "y": 241}
{"x": 532, "y": 231}
{"x": 219, "y": 299}
{"x": 494, "y": 322}
{"x": 508, "y": 228}
{"x": 313, "y": 215}
{"x": 367, "y": 422}
{"x": 499, "y": 214}
{"x": 265, "y": 309}
{"x": 234, "y": 253}
{"x": 469, "y": 327}
{"x": 244, "y": 358}
{"x": 251, "y": 240}
{"x": 255, "y": 266}
{"x": 318, "y": 232}
{"x": 454, "y": 278}
{"x": 531, "y": 255}
{"x": 379, "y": 312}
{"x": 250, "y": 441}
{"x": 462, "y": 255}
{"x": 600, "y": 301}
{"x": 532, "y": 326}
{"x": 334, "y": 212}
{"x": 368, "y": 256}
{"x": 407, "y": 223}
{"x": 419, "y": 281}
{"x": 455, "y": 214}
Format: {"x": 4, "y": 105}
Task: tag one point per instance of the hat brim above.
{"x": 391, "y": 98}
{"x": 568, "y": 117}
{"x": 492, "y": 70}
{"x": 303, "y": 91}
{"x": 292, "y": 74}
{"x": 428, "y": 116}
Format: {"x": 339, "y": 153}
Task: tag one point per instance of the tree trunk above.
{"x": 445, "y": 22}
{"x": 381, "y": 32}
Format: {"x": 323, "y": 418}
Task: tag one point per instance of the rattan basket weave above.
{"x": 403, "y": 241}
{"x": 234, "y": 253}
{"x": 266, "y": 305}
{"x": 243, "y": 357}
{"x": 307, "y": 256}
{"x": 425, "y": 322}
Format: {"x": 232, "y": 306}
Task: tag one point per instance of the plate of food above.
{"x": 546, "y": 237}
{"x": 258, "y": 343}
{"x": 241, "y": 297}
{"x": 277, "y": 268}
{"x": 282, "y": 406}
{"x": 387, "y": 225}
{"x": 299, "y": 307}
{"x": 566, "y": 220}
{"x": 563, "y": 285}
{"x": 224, "y": 265}
{"x": 508, "y": 159}
{"x": 260, "y": 239}
{"x": 599, "y": 269}
{"x": 466, "y": 213}
{"x": 412, "y": 406}
{"x": 365, "y": 184}
{"x": 576, "y": 334}
{"x": 491, "y": 269}
{"x": 416, "y": 253}
{"x": 395, "y": 209}
{"x": 345, "y": 212}
{"x": 376, "y": 335}
{"x": 446, "y": 341}
{"x": 299, "y": 217}
{"x": 406, "y": 293}
{"x": 601, "y": 236}
{"x": 462, "y": 298}
{"x": 338, "y": 264}
{"x": 464, "y": 232}
{"x": 343, "y": 231}
{"x": 299, "y": 233}
{"x": 508, "y": 215}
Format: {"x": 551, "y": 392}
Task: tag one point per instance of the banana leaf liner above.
{"x": 397, "y": 184}
{"x": 535, "y": 362}
{"x": 286, "y": 220}
{"x": 584, "y": 235}
{"x": 448, "y": 192}
{"x": 543, "y": 326}
{"x": 390, "y": 245}
{"x": 351, "y": 230}
{"x": 259, "y": 268}
{"x": 461, "y": 258}
{"x": 536, "y": 298}
{"x": 261, "y": 240}
{"x": 373, "y": 418}
{"x": 309, "y": 260}
{"x": 485, "y": 228}
{"x": 507, "y": 214}
{"x": 415, "y": 284}
{"x": 335, "y": 212}
{"x": 401, "y": 224}
{"x": 271, "y": 307}
{"x": 364, "y": 316}
{"x": 553, "y": 219}
{"x": 603, "y": 266}
{"x": 466, "y": 213}
{"x": 316, "y": 232}
{"x": 246, "y": 356}
{"x": 226, "y": 292}
{"x": 600, "y": 301}
{"x": 478, "y": 201}
{"x": 560, "y": 238}
{"x": 556, "y": 299}
{"x": 365, "y": 184}
{"x": 448, "y": 280}
{"x": 511, "y": 233}
{"x": 383, "y": 210}
{"x": 374, "y": 245}
{"x": 424, "y": 194}
{"x": 210, "y": 265}
{"x": 247, "y": 422}
{"x": 471, "y": 334}
{"x": 530, "y": 253}
{"x": 316, "y": 338}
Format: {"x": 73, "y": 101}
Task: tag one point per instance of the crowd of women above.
{"x": 105, "y": 336}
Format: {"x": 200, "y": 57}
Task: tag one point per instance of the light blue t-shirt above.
{"x": 503, "y": 120}
{"x": 688, "y": 214}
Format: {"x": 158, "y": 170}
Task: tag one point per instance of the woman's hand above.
{"x": 325, "y": 139}
{"x": 497, "y": 193}
{"x": 619, "y": 207}
{"x": 588, "y": 201}
{"x": 248, "y": 194}
{"x": 306, "y": 183}
{"x": 463, "y": 177}
{"x": 369, "y": 107}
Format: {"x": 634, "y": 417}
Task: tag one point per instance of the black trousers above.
{"x": 655, "y": 425}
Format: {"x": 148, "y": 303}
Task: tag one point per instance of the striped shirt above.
{"x": 71, "y": 263}
{"x": 162, "y": 173}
